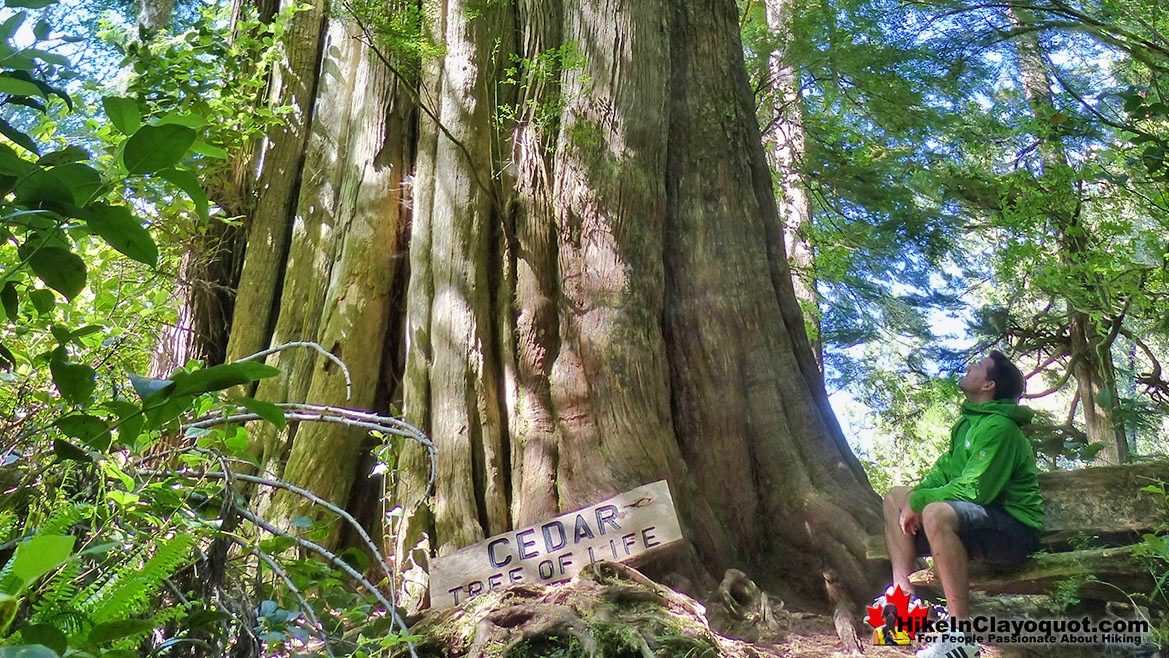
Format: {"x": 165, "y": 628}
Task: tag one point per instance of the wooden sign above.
{"x": 619, "y": 529}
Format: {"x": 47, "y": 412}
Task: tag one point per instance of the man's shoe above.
{"x": 950, "y": 649}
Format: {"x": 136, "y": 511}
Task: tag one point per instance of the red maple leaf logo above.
{"x": 910, "y": 621}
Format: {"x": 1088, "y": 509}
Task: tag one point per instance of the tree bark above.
{"x": 599, "y": 293}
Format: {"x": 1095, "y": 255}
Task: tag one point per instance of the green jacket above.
{"x": 989, "y": 461}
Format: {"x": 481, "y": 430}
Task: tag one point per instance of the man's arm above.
{"x": 992, "y": 457}
{"x": 936, "y": 476}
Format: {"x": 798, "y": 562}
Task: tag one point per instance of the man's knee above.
{"x": 937, "y": 517}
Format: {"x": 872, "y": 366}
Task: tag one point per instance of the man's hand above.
{"x": 910, "y": 521}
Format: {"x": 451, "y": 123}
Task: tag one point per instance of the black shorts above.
{"x": 989, "y": 533}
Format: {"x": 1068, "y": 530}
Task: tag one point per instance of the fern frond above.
{"x": 58, "y": 594}
{"x": 126, "y": 594}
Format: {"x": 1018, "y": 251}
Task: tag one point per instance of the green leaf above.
{"x": 18, "y": 87}
{"x": 203, "y": 148}
{"x": 7, "y": 358}
{"x": 38, "y": 556}
{"x": 130, "y": 421}
{"x": 195, "y": 121}
{"x": 123, "y": 113}
{"x": 187, "y": 182}
{"x": 29, "y": 4}
{"x": 18, "y": 137}
{"x": 60, "y": 269}
{"x": 42, "y": 300}
{"x": 63, "y": 156}
{"x": 63, "y": 450}
{"x": 151, "y": 148}
{"x": 90, "y": 430}
{"x": 44, "y": 187}
{"x": 9, "y": 27}
{"x": 112, "y": 631}
{"x": 45, "y": 634}
{"x": 28, "y": 651}
{"x": 41, "y": 30}
{"x": 217, "y": 378}
{"x": 54, "y": 59}
{"x": 124, "y": 232}
{"x": 12, "y": 164}
{"x": 75, "y": 381}
{"x": 266, "y": 410}
{"x": 10, "y": 300}
{"x": 147, "y": 388}
{"x": 83, "y": 182}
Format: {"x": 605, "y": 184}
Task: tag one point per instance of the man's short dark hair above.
{"x": 1008, "y": 380}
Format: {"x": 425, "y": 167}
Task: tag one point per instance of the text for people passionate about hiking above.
{"x": 618, "y": 529}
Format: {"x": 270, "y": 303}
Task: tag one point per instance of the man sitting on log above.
{"x": 980, "y": 500}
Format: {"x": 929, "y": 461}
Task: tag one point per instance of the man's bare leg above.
{"x": 940, "y": 523}
{"x": 902, "y": 551}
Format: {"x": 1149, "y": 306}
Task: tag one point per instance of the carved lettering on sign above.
{"x": 619, "y": 529}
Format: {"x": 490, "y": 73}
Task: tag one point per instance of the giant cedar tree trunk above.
{"x": 598, "y": 290}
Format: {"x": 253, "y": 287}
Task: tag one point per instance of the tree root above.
{"x": 608, "y": 611}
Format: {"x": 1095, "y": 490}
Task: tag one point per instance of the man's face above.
{"x": 975, "y": 381}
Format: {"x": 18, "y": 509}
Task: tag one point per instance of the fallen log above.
{"x": 1094, "y": 519}
{"x": 1097, "y": 506}
{"x": 1106, "y": 574}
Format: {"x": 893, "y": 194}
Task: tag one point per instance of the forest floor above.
{"x": 616, "y": 612}
{"x": 814, "y": 636}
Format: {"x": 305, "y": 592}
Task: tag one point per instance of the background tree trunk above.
{"x": 1089, "y": 348}
{"x": 599, "y": 294}
{"x": 786, "y": 139}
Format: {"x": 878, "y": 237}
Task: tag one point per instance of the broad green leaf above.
{"x": 91, "y": 430}
{"x": 10, "y": 300}
{"x": 60, "y": 269}
{"x": 63, "y": 156}
{"x": 75, "y": 381}
{"x": 55, "y": 59}
{"x": 203, "y": 148}
{"x": 42, "y": 300}
{"x": 195, "y": 121}
{"x": 41, "y": 30}
{"x": 18, "y": 137}
{"x": 147, "y": 388}
{"x": 11, "y": 85}
{"x": 29, "y": 4}
{"x": 28, "y": 651}
{"x": 111, "y": 631}
{"x": 123, "y": 113}
{"x": 130, "y": 421}
{"x": 40, "y": 555}
{"x": 9, "y": 27}
{"x": 152, "y": 148}
{"x": 45, "y": 188}
{"x": 266, "y": 410}
{"x": 45, "y": 634}
{"x": 83, "y": 182}
{"x": 218, "y": 378}
{"x": 64, "y": 450}
{"x": 124, "y": 232}
{"x": 13, "y": 164}
{"x": 187, "y": 182}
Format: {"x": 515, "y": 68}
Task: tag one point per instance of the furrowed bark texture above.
{"x": 599, "y": 294}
